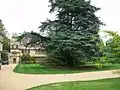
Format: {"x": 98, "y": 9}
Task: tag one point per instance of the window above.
{"x": 37, "y": 51}
{"x": 28, "y": 51}
{"x": 25, "y": 51}
{"x": 17, "y": 46}
{"x": 12, "y": 46}
{"x": 22, "y": 51}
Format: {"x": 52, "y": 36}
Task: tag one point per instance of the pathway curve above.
{"x": 14, "y": 81}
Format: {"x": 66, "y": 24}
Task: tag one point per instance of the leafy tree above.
{"x": 6, "y": 42}
{"x": 2, "y": 28}
{"x": 4, "y": 55}
{"x": 112, "y": 48}
{"x": 20, "y": 36}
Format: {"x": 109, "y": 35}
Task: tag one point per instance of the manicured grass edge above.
{"x": 71, "y": 82}
{"x": 97, "y": 70}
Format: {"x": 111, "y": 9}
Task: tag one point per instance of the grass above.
{"x": 40, "y": 69}
{"x": 105, "y": 84}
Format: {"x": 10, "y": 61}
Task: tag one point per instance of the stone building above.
{"x": 18, "y": 48}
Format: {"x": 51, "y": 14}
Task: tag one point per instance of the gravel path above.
{"x": 14, "y": 81}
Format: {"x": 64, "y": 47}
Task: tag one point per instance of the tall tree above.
{"x": 73, "y": 34}
{"x": 6, "y": 42}
{"x": 2, "y": 28}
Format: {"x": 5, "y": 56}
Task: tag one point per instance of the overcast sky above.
{"x": 26, "y": 15}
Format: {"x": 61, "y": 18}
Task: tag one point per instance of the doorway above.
{"x": 14, "y": 61}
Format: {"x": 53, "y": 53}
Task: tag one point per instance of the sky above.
{"x": 26, "y": 15}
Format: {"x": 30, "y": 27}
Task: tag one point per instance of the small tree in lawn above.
{"x": 73, "y": 34}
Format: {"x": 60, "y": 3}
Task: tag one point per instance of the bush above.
{"x": 114, "y": 60}
{"x": 104, "y": 59}
{"x": 25, "y": 59}
{"x": 4, "y": 56}
{"x": 99, "y": 65}
{"x": 32, "y": 60}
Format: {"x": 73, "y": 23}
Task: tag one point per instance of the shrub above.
{"x": 32, "y": 60}
{"x": 25, "y": 59}
{"x": 4, "y": 56}
{"x": 99, "y": 65}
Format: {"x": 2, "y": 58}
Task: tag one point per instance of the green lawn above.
{"x": 40, "y": 69}
{"x": 106, "y": 84}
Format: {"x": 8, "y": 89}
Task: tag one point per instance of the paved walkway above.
{"x": 14, "y": 81}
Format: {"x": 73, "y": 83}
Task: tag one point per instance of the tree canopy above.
{"x": 2, "y": 28}
{"x": 73, "y": 34}
{"x": 112, "y": 48}
{"x": 5, "y": 42}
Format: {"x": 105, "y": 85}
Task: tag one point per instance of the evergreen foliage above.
{"x": 5, "y": 42}
{"x": 73, "y": 34}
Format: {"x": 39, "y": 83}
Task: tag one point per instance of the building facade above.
{"x": 17, "y": 49}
